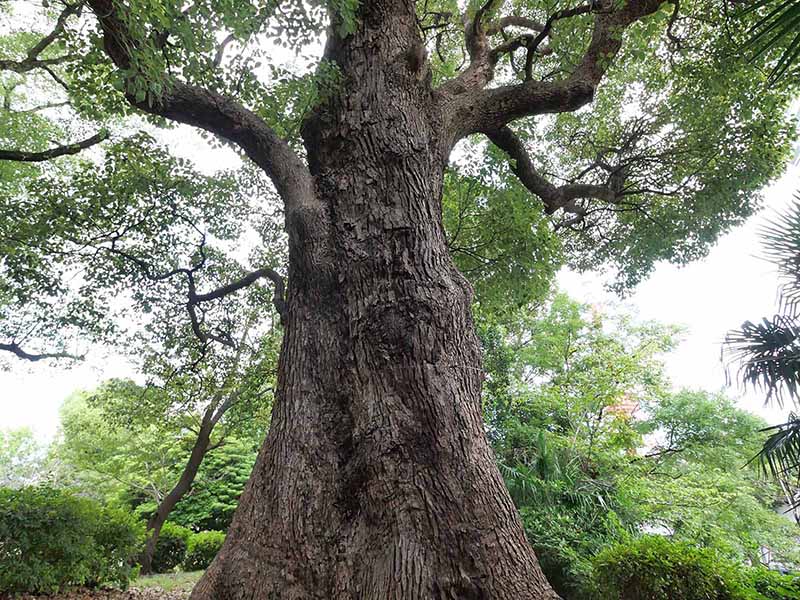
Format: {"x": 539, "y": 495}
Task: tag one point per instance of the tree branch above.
{"x": 215, "y": 113}
{"x": 32, "y": 60}
{"x": 553, "y": 197}
{"x": 513, "y": 21}
{"x": 277, "y": 299}
{"x": 15, "y": 349}
{"x": 23, "y": 156}
{"x": 474, "y": 108}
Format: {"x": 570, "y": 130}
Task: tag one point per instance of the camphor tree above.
{"x": 636, "y": 125}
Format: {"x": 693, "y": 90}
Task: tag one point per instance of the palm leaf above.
{"x": 781, "y": 241}
{"x": 768, "y": 354}
{"x": 779, "y": 27}
{"x": 780, "y": 455}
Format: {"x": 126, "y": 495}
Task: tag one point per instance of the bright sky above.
{"x": 708, "y": 297}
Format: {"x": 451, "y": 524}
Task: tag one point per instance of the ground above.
{"x": 171, "y": 586}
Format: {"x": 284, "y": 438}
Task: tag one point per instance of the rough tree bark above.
{"x": 376, "y": 480}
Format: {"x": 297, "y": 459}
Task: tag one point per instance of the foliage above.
{"x": 500, "y": 240}
{"x": 219, "y": 483}
{"x": 780, "y": 452}
{"x": 51, "y": 540}
{"x": 654, "y": 568}
{"x": 772, "y": 585}
{"x": 768, "y": 354}
{"x": 555, "y": 380}
{"x": 702, "y": 487}
{"x": 135, "y": 467}
{"x": 104, "y": 460}
{"x": 173, "y": 541}
{"x": 202, "y": 549}
{"x": 21, "y": 458}
{"x": 587, "y": 474}
{"x": 780, "y": 22}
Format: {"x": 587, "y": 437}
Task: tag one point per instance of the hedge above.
{"x": 52, "y": 540}
{"x": 203, "y": 547}
{"x": 171, "y": 546}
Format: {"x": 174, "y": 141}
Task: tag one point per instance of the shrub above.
{"x": 203, "y": 547}
{"x": 52, "y": 540}
{"x": 170, "y": 547}
{"x": 771, "y": 585}
{"x": 655, "y": 568}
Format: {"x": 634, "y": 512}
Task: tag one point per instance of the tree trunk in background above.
{"x": 376, "y": 480}
{"x": 156, "y": 522}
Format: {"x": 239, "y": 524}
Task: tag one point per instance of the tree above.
{"x": 564, "y": 434}
{"x": 702, "y": 486}
{"x": 596, "y": 450}
{"x": 209, "y": 405}
{"x": 21, "y": 458}
{"x": 137, "y": 436}
{"x": 376, "y": 478}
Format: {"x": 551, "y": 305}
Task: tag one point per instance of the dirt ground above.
{"x": 131, "y": 594}
{"x": 173, "y": 586}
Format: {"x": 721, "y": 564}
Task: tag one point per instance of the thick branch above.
{"x": 15, "y": 349}
{"x": 513, "y": 21}
{"x": 215, "y": 113}
{"x": 277, "y": 281}
{"x": 553, "y": 197}
{"x": 475, "y": 108}
{"x": 23, "y": 156}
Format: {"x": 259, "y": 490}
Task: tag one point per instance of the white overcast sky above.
{"x": 708, "y": 298}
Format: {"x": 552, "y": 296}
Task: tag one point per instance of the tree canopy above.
{"x": 671, "y": 154}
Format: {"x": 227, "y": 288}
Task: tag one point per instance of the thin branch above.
{"x": 15, "y": 349}
{"x": 32, "y": 60}
{"x": 23, "y": 156}
{"x": 673, "y": 19}
{"x": 221, "y": 49}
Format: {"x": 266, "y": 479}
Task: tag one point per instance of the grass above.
{"x": 169, "y": 582}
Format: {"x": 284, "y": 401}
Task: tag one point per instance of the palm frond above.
{"x": 779, "y": 27}
{"x": 780, "y": 455}
{"x": 781, "y": 241}
{"x": 768, "y": 354}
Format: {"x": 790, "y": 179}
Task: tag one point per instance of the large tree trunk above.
{"x": 377, "y": 480}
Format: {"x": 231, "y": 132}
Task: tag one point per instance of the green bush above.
{"x": 771, "y": 585}
{"x": 203, "y": 547}
{"x": 655, "y": 568}
{"x": 170, "y": 548}
{"x": 52, "y": 540}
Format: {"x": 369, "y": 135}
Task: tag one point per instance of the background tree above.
{"x": 21, "y": 457}
{"x": 126, "y": 434}
{"x": 596, "y": 449}
{"x": 563, "y": 429}
{"x": 376, "y": 436}
{"x": 702, "y": 486}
